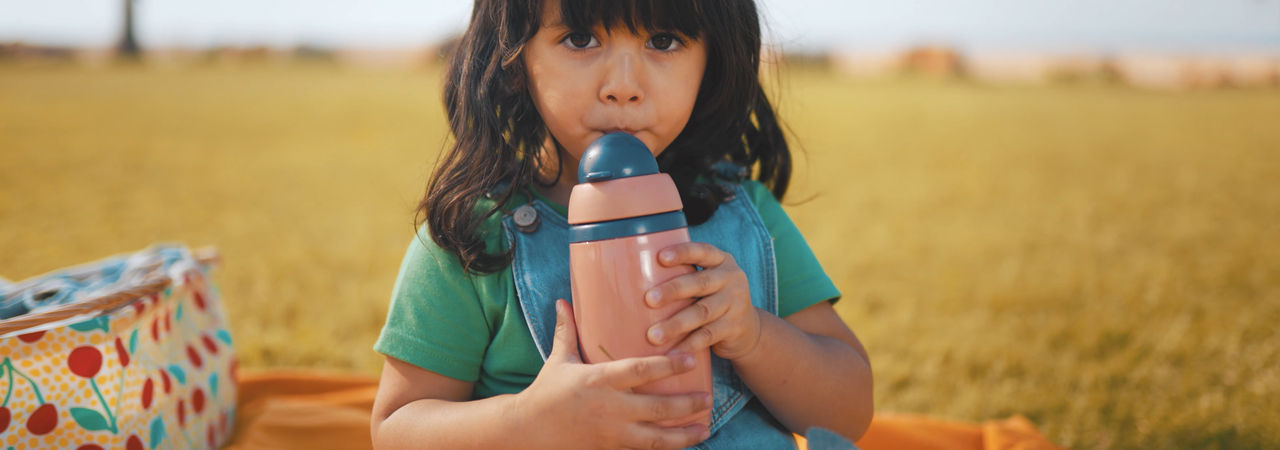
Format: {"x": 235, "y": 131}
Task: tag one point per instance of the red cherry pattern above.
{"x": 164, "y": 376}
{"x": 122, "y": 353}
{"x": 148, "y": 391}
{"x": 133, "y": 443}
{"x": 43, "y": 420}
{"x": 155, "y": 329}
{"x": 209, "y": 345}
{"x": 199, "y": 299}
{"x": 85, "y": 361}
{"x": 89, "y": 447}
{"x": 31, "y": 337}
{"x": 168, "y": 324}
{"x": 182, "y": 412}
{"x": 197, "y": 400}
{"x": 194, "y": 357}
{"x": 212, "y": 438}
{"x": 5, "y": 417}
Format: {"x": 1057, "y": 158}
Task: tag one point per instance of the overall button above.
{"x": 526, "y": 218}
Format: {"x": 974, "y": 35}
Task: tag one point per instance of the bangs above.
{"x": 681, "y": 16}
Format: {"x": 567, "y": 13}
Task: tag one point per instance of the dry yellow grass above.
{"x": 1103, "y": 260}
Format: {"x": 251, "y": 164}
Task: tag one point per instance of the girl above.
{"x": 481, "y": 354}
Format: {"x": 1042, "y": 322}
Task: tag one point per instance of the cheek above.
{"x": 554, "y": 100}
{"x": 678, "y": 107}
{"x": 693, "y": 79}
{"x": 689, "y": 94}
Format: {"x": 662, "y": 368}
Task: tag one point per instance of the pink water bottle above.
{"x": 621, "y": 214}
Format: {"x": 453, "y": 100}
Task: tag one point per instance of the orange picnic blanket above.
{"x": 304, "y": 409}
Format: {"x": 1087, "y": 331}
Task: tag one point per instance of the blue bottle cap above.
{"x": 616, "y": 155}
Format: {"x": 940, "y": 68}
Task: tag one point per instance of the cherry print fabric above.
{"x": 159, "y": 372}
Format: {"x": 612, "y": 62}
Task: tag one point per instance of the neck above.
{"x": 568, "y": 175}
{"x": 558, "y": 193}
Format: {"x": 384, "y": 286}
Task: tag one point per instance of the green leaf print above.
{"x": 133, "y": 341}
{"x": 157, "y": 432}
{"x": 89, "y": 419}
{"x": 178, "y": 373}
{"x": 96, "y": 323}
{"x": 224, "y": 336}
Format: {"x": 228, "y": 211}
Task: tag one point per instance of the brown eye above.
{"x": 579, "y": 40}
{"x": 663, "y": 41}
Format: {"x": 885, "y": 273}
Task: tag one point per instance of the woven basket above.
{"x": 146, "y": 363}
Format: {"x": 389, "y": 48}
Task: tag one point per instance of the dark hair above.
{"x": 498, "y": 132}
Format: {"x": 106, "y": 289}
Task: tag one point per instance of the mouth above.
{"x": 630, "y": 131}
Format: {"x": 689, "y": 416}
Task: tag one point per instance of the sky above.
{"x": 1071, "y": 25}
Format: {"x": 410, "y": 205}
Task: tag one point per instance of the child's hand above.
{"x": 592, "y": 405}
{"x": 723, "y": 318}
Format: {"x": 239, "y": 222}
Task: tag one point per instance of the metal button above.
{"x": 526, "y": 218}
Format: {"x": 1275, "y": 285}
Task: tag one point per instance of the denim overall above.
{"x": 540, "y": 269}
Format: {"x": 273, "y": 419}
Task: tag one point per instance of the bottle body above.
{"x": 622, "y": 212}
{"x": 609, "y": 278}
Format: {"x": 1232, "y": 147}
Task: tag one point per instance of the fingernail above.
{"x": 706, "y": 434}
{"x": 684, "y": 360}
{"x": 652, "y": 297}
{"x": 655, "y": 335}
{"x": 667, "y": 255}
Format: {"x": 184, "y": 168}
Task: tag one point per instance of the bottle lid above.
{"x": 616, "y": 155}
{"x": 618, "y": 178}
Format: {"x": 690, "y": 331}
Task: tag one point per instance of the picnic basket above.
{"x": 140, "y": 359}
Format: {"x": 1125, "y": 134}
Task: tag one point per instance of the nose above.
{"x": 623, "y": 80}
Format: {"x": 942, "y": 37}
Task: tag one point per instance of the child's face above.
{"x": 587, "y": 84}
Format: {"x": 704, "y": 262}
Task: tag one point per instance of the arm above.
{"x": 413, "y": 403}
{"x": 810, "y": 370}
{"x": 569, "y": 404}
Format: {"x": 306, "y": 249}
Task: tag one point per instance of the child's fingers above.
{"x": 631, "y": 372}
{"x": 643, "y": 435}
{"x": 692, "y": 253}
{"x": 564, "y": 346}
{"x": 729, "y": 339}
{"x": 697, "y": 314}
{"x": 706, "y": 336}
{"x": 656, "y": 408}
{"x": 690, "y": 285}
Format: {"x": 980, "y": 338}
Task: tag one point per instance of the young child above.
{"x": 481, "y": 350}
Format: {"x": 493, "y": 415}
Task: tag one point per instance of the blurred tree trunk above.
{"x": 128, "y": 47}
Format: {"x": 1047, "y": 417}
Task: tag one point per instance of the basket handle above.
{"x": 150, "y": 285}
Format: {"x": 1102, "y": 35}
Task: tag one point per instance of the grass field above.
{"x": 1103, "y": 260}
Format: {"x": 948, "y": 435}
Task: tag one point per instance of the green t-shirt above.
{"x": 470, "y": 327}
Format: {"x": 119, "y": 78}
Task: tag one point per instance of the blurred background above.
{"x": 1065, "y": 209}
